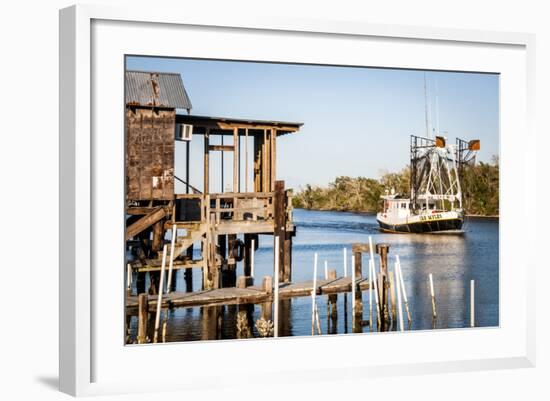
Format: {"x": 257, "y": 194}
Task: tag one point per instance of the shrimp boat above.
{"x": 435, "y": 202}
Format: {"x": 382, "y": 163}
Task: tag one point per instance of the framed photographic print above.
{"x": 289, "y": 189}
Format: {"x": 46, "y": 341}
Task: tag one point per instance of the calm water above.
{"x": 453, "y": 261}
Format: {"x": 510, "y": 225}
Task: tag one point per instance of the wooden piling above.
{"x": 160, "y": 291}
{"x": 392, "y": 293}
{"x": 252, "y": 252}
{"x": 276, "y": 290}
{"x": 399, "y": 310}
{"x": 313, "y": 295}
{"x": 287, "y": 265}
{"x": 399, "y": 274}
{"x": 143, "y": 317}
{"x": 231, "y": 273}
{"x": 171, "y": 264}
{"x": 267, "y": 307}
{"x": 332, "y": 306}
{"x": 472, "y": 304}
{"x": 382, "y": 250}
{"x": 434, "y": 310}
{"x": 279, "y": 223}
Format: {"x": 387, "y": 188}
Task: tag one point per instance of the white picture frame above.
{"x": 90, "y": 363}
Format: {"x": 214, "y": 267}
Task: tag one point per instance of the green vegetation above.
{"x": 480, "y": 185}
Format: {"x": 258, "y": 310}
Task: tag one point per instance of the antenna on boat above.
{"x": 426, "y": 106}
{"x": 437, "y": 107}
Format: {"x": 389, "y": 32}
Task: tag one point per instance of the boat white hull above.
{"x": 449, "y": 222}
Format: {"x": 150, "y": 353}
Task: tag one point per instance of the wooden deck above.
{"x": 253, "y": 294}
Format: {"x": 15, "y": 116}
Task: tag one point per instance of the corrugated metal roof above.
{"x": 164, "y": 89}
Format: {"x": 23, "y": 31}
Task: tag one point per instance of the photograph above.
{"x": 270, "y": 199}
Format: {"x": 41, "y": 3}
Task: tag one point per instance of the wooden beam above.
{"x": 220, "y": 148}
{"x": 145, "y": 222}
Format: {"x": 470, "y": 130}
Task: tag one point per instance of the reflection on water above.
{"x": 453, "y": 260}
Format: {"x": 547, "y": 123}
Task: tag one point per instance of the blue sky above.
{"x": 357, "y": 121}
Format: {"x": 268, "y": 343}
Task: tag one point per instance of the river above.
{"x": 453, "y": 260}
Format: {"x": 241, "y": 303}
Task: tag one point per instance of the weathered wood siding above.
{"x": 150, "y": 154}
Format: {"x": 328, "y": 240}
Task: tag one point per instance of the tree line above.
{"x": 479, "y": 183}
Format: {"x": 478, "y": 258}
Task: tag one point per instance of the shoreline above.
{"x": 481, "y": 216}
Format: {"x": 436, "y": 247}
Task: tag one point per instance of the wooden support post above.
{"x": 188, "y": 273}
{"x": 267, "y": 284}
{"x": 158, "y": 235}
{"x": 264, "y": 163}
{"x": 231, "y": 266}
{"x": 273, "y": 158}
{"x": 280, "y": 223}
{"x": 206, "y": 185}
{"x": 258, "y": 159}
{"x": 287, "y": 251}
{"x": 236, "y": 171}
{"x": 253, "y": 245}
{"x": 143, "y": 317}
{"x": 247, "y": 262}
{"x": 246, "y": 175}
{"x": 276, "y": 270}
{"x": 267, "y": 307}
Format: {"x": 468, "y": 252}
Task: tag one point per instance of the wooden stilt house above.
{"x": 224, "y": 223}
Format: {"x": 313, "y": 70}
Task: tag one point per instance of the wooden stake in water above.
{"x": 472, "y": 304}
{"x": 393, "y": 285}
{"x": 317, "y": 320}
{"x": 171, "y": 265}
{"x": 371, "y": 317}
{"x": 276, "y": 291}
{"x": 313, "y": 293}
{"x": 353, "y": 289}
{"x": 345, "y": 262}
{"x": 434, "y": 311}
{"x": 374, "y": 281}
{"x": 399, "y": 309}
{"x": 159, "y": 298}
{"x": 372, "y": 277}
{"x": 399, "y": 277}
{"x": 252, "y": 244}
